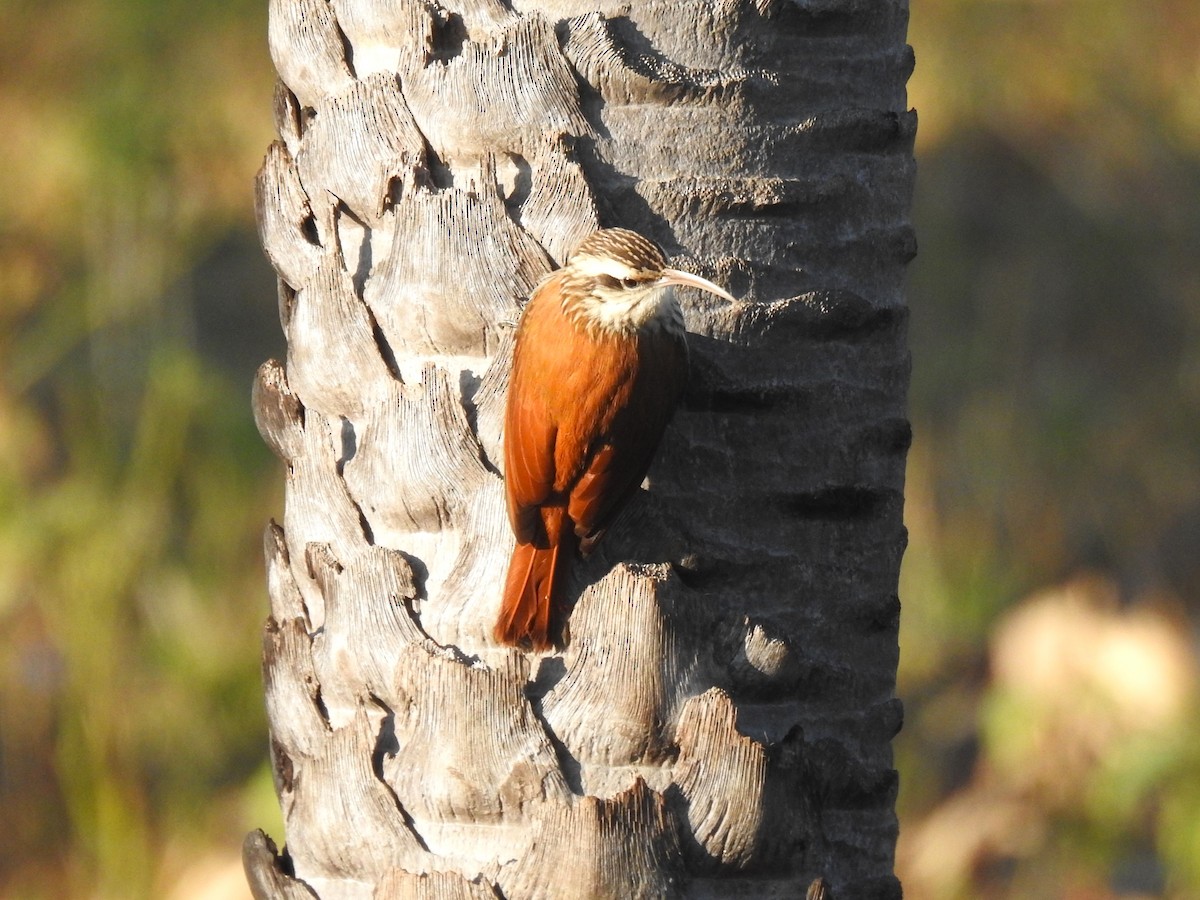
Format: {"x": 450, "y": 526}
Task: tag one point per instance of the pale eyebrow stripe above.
{"x": 591, "y": 266}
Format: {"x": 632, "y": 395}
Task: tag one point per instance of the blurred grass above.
{"x": 1056, "y": 407}
{"x": 133, "y": 484}
{"x": 1055, "y": 399}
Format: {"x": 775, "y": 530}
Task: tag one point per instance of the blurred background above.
{"x": 1051, "y": 588}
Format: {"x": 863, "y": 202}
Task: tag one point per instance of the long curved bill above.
{"x": 687, "y": 279}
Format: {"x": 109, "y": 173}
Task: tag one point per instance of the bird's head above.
{"x": 619, "y": 281}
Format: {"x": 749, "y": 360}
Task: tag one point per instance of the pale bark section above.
{"x": 718, "y": 723}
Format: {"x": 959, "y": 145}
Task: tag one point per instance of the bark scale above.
{"x": 719, "y": 722}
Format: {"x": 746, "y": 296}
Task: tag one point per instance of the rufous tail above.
{"x": 529, "y": 589}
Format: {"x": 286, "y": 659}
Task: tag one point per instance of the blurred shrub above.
{"x": 1056, "y": 409}
{"x": 1086, "y": 735}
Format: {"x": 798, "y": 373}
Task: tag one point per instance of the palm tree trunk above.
{"x": 719, "y": 722}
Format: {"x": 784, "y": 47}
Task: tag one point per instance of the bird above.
{"x": 599, "y": 363}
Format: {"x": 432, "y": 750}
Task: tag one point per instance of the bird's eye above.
{"x": 629, "y": 283}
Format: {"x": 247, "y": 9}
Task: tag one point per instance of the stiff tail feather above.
{"x": 529, "y": 589}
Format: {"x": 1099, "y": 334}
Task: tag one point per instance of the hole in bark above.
{"x": 308, "y": 228}
{"x": 285, "y": 862}
{"x": 449, "y": 36}
{"x": 395, "y": 192}
{"x": 349, "y": 445}
{"x": 440, "y": 175}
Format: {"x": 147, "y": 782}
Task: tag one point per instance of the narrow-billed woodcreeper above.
{"x": 600, "y": 362}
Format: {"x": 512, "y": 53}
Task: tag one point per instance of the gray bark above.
{"x": 719, "y": 722}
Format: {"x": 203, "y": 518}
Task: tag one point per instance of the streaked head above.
{"x": 619, "y": 280}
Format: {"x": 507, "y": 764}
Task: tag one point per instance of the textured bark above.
{"x": 719, "y": 722}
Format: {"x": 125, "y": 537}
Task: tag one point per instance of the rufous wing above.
{"x": 621, "y": 458}
{"x": 529, "y": 426}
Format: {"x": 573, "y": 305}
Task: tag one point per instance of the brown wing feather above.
{"x": 583, "y": 420}
{"x": 530, "y": 429}
{"x": 620, "y": 459}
